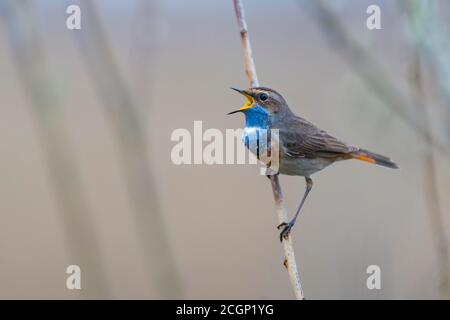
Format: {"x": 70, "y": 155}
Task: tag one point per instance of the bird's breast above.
{"x": 256, "y": 140}
{"x": 303, "y": 166}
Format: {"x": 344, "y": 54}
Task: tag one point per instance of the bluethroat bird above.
{"x": 303, "y": 148}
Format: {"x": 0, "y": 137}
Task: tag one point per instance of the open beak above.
{"x": 249, "y": 101}
{"x": 238, "y": 90}
{"x": 235, "y": 111}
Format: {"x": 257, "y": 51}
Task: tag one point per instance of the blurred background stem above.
{"x": 431, "y": 191}
{"x": 361, "y": 61}
{"x": 428, "y": 24}
{"x": 129, "y": 128}
{"x": 46, "y": 109}
{"x": 434, "y": 209}
{"x": 370, "y": 71}
{"x": 145, "y": 37}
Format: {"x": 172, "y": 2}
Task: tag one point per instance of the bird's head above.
{"x": 262, "y": 101}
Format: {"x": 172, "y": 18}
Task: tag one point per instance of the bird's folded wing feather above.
{"x": 302, "y": 139}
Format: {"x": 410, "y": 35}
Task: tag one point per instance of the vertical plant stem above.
{"x": 368, "y": 69}
{"x": 145, "y": 38}
{"x": 434, "y": 211}
{"x": 250, "y": 69}
{"x": 430, "y": 187}
{"x": 132, "y": 145}
{"x": 45, "y": 107}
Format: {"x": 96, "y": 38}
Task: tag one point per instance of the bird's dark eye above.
{"x": 263, "y": 96}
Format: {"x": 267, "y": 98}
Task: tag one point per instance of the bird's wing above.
{"x": 301, "y": 139}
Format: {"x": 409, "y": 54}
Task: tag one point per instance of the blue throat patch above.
{"x": 256, "y": 124}
{"x": 257, "y": 117}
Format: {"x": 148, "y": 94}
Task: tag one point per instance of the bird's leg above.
{"x": 288, "y": 226}
{"x": 269, "y": 176}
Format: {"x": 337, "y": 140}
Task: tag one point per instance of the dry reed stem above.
{"x": 250, "y": 70}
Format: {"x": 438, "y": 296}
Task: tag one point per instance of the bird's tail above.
{"x": 375, "y": 158}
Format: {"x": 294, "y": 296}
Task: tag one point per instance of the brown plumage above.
{"x": 304, "y": 148}
{"x": 302, "y": 139}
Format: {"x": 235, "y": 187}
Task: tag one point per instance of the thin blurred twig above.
{"x": 367, "y": 68}
{"x": 431, "y": 191}
{"x": 145, "y": 37}
{"x": 46, "y": 109}
{"x": 431, "y": 24}
{"x": 250, "y": 69}
{"x": 132, "y": 144}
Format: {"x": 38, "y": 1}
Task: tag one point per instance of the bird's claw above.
{"x": 284, "y": 234}
{"x": 281, "y": 225}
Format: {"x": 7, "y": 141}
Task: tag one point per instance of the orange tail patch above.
{"x": 365, "y": 158}
{"x": 375, "y": 158}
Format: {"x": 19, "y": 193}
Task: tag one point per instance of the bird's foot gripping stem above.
{"x": 286, "y": 231}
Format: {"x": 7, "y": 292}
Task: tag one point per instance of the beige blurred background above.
{"x": 87, "y": 179}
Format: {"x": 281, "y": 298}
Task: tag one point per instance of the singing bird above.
{"x": 303, "y": 148}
